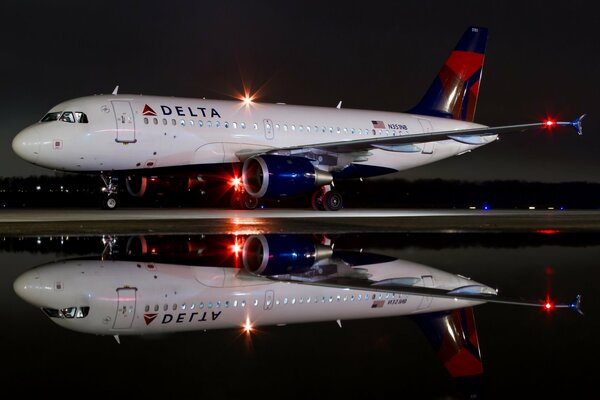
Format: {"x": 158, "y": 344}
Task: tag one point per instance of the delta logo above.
{"x": 149, "y": 111}
{"x": 204, "y": 112}
{"x": 149, "y": 318}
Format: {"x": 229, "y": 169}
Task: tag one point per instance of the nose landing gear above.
{"x": 109, "y": 198}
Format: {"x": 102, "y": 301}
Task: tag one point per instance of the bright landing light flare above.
{"x": 248, "y": 326}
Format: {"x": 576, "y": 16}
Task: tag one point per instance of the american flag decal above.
{"x": 378, "y": 303}
{"x": 378, "y": 124}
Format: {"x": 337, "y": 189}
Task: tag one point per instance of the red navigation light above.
{"x": 548, "y": 305}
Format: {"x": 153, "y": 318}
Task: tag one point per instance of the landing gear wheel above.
{"x": 316, "y": 201}
{"x": 249, "y": 202}
{"x": 243, "y": 201}
{"x": 332, "y": 201}
{"x": 109, "y": 202}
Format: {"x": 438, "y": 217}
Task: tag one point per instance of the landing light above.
{"x": 248, "y": 326}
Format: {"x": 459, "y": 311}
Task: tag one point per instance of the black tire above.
{"x": 109, "y": 202}
{"x": 249, "y": 202}
{"x": 332, "y": 201}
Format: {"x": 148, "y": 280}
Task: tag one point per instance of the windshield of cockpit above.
{"x": 66, "y": 116}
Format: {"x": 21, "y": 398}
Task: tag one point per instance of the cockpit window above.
{"x": 67, "y": 116}
{"x": 53, "y": 116}
{"x": 69, "y": 312}
{"x": 81, "y": 117}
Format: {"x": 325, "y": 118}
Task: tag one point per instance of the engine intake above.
{"x": 271, "y": 255}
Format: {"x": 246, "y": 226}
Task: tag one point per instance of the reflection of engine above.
{"x": 270, "y": 255}
{"x": 139, "y": 185}
{"x": 271, "y": 176}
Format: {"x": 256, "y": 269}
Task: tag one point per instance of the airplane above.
{"x": 148, "y": 285}
{"x": 258, "y": 151}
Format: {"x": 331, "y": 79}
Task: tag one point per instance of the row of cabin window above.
{"x": 284, "y": 127}
{"x": 285, "y": 300}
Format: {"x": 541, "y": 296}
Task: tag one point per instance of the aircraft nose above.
{"x": 27, "y": 144}
{"x": 29, "y": 287}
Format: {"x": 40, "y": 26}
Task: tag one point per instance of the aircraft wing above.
{"x": 402, "y": 286}
{"x": 403, "y": 143}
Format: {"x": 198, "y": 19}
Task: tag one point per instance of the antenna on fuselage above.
{"x": 116, "y": 91}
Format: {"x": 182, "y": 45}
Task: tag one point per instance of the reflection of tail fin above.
{"x": 453, "y": 335}
{"x": 453, "y": 93}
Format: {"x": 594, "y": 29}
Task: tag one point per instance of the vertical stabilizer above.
{"x": 453, "y": 335}
{"x": 453, "y": 93}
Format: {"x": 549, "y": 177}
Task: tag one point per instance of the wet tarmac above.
{"x": 131, "y": 221}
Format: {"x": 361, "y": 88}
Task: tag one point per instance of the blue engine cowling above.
{"x": 272, "y": 176}
{"x": 271, "y": 255}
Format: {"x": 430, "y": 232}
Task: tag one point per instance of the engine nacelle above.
{"x": 272, "y": 176}
{"x": 271, "y": 255}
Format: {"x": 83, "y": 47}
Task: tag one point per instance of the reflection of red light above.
{"x": 236, "y": 247}
{"x": 548, "y": 231}
{"x": 153, "y": 250}
{"x": 549, "y": 123}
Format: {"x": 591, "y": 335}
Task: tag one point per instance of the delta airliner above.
{"x": 262, "y": 151}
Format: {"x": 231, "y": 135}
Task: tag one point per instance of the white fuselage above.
{"x": 140, "y": 133}
{"x": 124, "y": 297}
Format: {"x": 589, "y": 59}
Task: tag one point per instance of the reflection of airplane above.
{"x": 267, "y": 280}
{"x": 267, "y": 151}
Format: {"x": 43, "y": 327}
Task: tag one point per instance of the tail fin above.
{"x": 453, "y": 335}
{"x": 453, "y": 93}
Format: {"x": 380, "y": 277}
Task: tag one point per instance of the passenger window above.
{"x": 164, "y": 121}
{"x": 182, "y": 122}
{"x": 155, "y": 121}
{"x": 200, "y": 124}
{"x": 67, "y": 116}
{"x": 243, "y": 125}
{"x": 255, "y": 126}
{"x": 145, "y": 120}
{"x": 208, "y": 124}
{"x": 173, "y": 122}
{"x": 226, "y": 124}
{"x": 217, "y": 124}
{"x": 234, "y": 124}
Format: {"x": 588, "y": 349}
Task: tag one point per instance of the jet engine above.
{"x": 271, "y": 255}
{"x": 272, "y": 176}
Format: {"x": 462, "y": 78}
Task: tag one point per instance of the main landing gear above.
{"x": 109, "y": 198}
{"x": 241, "y": 200}
{"x": 326, "y": 199}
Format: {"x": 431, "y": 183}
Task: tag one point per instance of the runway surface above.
{"x": 15, "y": 222}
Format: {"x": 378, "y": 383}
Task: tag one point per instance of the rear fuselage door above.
{"x": 125, "y": 308}
{"x": 426, "y": 300}
{"x": 125, "y": 122}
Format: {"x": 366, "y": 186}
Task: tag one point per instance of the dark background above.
{"x": 541, "y": 61}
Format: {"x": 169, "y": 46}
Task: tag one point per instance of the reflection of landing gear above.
{"x": 326, "y": 199}
{"x": 243, "y": 201}
{"x": 109, "y": 200}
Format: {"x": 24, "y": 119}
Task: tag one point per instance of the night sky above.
{"x": 542, "y": 59}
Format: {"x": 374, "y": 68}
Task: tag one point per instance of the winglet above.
{"x": 576, "y": 305}
{"x": 576, "y": 123}
{"x": 339, "y": 105}
{"x": 116, "y": 91}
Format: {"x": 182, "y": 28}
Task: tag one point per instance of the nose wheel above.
{"x": 109, "y": 201}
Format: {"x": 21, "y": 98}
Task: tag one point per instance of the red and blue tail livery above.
{"x": 453, "y": 94}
